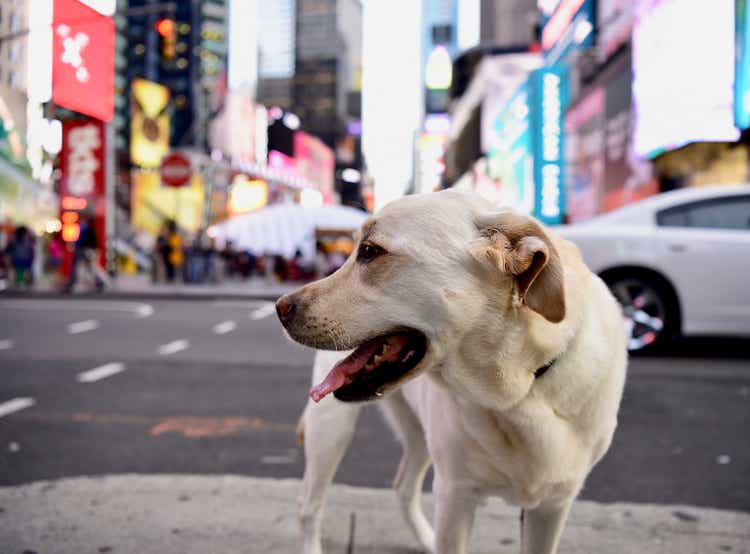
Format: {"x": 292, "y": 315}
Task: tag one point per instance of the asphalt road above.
{"x": 93, "y": 387}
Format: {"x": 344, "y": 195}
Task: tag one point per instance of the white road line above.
{"x": 6, "y": 344}
{"x": 83, "y": 326}
{"x": 225, "y": 327}
{"x": 264, "y": 311}
{"x": 173, "y": 347}
{"x": 15, "y": 405}
{"x": 101, "y": 372}
{"x": 144, "y": 310}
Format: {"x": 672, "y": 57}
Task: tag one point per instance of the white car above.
{"x": 678, "y": 262}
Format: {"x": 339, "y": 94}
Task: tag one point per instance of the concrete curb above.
{"x": 185, "y": 514}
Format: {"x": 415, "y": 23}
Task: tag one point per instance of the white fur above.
{"x": 476, "y": 410}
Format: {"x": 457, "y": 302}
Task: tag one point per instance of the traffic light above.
{"x": 167, "y": 31}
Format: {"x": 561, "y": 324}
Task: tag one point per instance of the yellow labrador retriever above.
{"x": 520, "y": 352}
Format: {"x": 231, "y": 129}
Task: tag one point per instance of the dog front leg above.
{"x": 328, "y": 431}
{"x": 454, "y": 517}
{"x": 542, "y": 526}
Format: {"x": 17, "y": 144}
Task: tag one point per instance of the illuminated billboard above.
{"x": 149, "y": 126}
{"x": 742, "y": 67}
{"x": 683, "y": 74}
{"x": 83, "y": 67}
{"x": 570, "y": 25}
{"x": 315, "y": 162}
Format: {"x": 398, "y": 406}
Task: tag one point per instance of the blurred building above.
{"x": 310, "y": 56}
{"x": 29, "y": 138}
{"x": 276, "y": 52}
{"x": 184, "y": 49}
{"x": 593, "y": 113}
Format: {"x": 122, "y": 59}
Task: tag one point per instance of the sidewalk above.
{"x": 140, "y": 286}
{"x": 184, "y": 514}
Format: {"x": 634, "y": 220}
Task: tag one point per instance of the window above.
{"x": 722, "y": 213}
{"x": 13, "y": 53}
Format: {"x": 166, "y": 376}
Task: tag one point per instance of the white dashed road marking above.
{"x": 15, "y": 405}
{"x": 264, "y": 311}
{"x": 173, "y": 347}
{"x": 101, "y": 372}
{"x": 6, "y": 344}
{"x": 83, "y": 326}
{"x": 224, "y": 327}
{"x": 144, "y": 310}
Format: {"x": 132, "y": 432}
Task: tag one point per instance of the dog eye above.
{"x": 368, "y": 252}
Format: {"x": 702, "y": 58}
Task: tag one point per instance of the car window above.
{"x": 723, "y": 213}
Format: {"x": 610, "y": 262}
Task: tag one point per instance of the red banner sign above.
{"x": 82, "y": 180}
{"x": 83, "y": 68}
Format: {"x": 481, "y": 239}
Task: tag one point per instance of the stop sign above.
{"x": 175, "y": 170}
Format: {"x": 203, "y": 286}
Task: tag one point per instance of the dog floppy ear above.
{"x": 518, "y": 246}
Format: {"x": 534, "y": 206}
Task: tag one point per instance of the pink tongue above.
{"x": 341, "y": 373}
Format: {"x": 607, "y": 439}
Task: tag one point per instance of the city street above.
{"x": 105, "y": 386}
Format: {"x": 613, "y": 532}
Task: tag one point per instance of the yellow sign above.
{"x": 149, "y": 125}
{"x": 153, "y": 204}
{"x": 247, "y": 195}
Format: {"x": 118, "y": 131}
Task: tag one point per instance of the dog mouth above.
{"x": 373, "y": 367}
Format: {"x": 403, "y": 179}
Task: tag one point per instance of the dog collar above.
{"x": 542, "y": 370}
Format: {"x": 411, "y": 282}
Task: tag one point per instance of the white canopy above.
{"x": 285, "y": 228}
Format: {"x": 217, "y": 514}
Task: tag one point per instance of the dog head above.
{"x": 432, "y": 277}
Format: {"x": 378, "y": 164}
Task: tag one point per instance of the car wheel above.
{"x": 647, "y": 310}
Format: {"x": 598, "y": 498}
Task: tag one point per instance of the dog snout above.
{"x": 286, "y": 307}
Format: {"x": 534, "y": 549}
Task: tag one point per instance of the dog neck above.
{"x": 500, "y": 358}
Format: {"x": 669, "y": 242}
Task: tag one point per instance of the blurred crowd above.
{"x": 178, "y": 257}
{"x": 25, "y": 258}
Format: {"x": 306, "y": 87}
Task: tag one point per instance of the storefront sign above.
{"x": 83, "y": 70}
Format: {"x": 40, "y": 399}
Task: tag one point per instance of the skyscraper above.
{"x": 184, "y": 49}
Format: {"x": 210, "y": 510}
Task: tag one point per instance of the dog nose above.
{"x": 285, "y": 308}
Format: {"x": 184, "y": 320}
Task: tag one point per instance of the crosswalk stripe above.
{"x": 6, "y": 344}
{"x": 15, "y": 405}
{"x": 225, "y": 327}
{"x": 263, "y": 311}
{"x": 173, "y": 347}
{"x": 83, "y": 326}
{"x": 101, "y": 372}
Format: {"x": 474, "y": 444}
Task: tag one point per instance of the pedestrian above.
{"x": 161, "y": 256}
{"x": 86, "y": 253}
{"x": 55, "y": 253}
{"x": 229, "y": 259}
{"x": 175, "y": 255}
{"x": 21, "y": 251}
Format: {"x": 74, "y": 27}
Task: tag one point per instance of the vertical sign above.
{"x": 742, "y": 66}
{"x": 550, "y": 88}
{"x": 82, "y": 182}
